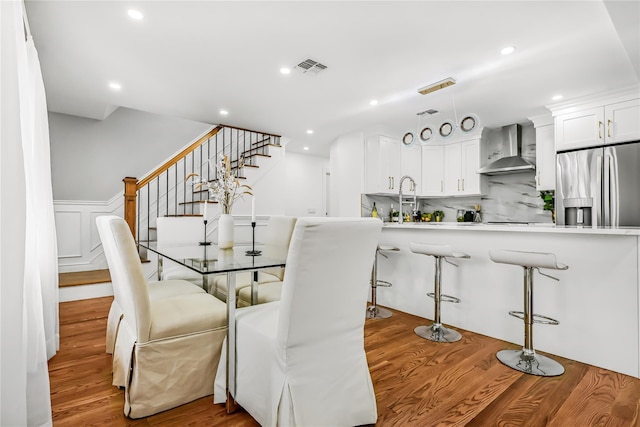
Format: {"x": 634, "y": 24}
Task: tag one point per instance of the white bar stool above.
{"x": 373, "y": 311}
{"x": 437, "y": 332}
{"x": 526, "y": 360}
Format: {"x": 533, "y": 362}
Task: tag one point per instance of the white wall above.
{"x": 285, "y": 184}
{"x": 347, "y": 174}
{"x": 89, "y": 158}
{"x": 305, "y": 184}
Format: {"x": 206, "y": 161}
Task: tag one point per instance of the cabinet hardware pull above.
{"x": 441, "y": 186}
{"x": 608, "y": 135}
{"x": 393, "y": 182}
{"x": 599, "y": 130}
{"x": 462, "y": 184}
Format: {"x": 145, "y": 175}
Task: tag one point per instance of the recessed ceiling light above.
{"x": 373, "y": 102}
{"x": 557, "y": 97}
{"x": 306, "y": 148}
{"x": 508, "y": 50}
{"x": 223, "y": 112}
{"x": 115, "y": 86}
{"x": 135, "y": 14}
{"x": 285, "y": 70}
{"x": 309, "y": 131}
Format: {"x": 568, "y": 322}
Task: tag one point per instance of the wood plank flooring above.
{"x": 417, "y": 383}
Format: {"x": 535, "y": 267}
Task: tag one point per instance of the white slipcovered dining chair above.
{"x": 301, "y": 360}
{"x": 175, "y": 231}
{"x": 167, "y": 349}
{"x": 170, "y": 231}
{"x": 276, "y": 241}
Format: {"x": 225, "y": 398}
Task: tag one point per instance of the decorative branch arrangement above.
{"x": 225, "y": 189}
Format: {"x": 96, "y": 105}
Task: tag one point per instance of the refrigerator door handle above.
{"x": 612, "y": 190}
{"x": 598, "y": 193}
{"x": 606, "y": 193}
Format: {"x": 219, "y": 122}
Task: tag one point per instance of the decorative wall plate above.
{"x": 426, "y": 134}
{"x": 408, "y": 139}
{"x": 469, "y": 123}
{"x": 446, "y": 129}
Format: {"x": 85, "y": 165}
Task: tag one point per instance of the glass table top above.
{"x": 209, "y": 259}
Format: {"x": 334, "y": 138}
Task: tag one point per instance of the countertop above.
{"x": 520, "y": 228}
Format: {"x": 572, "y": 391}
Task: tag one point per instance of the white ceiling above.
{"x": 191, "y": 59}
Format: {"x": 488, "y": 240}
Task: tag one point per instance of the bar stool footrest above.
{"x": 532, "y": 364}
{"x": 445, "y": 298}
{"x": 537, "y": 318}
{"x": 383, "y": 283}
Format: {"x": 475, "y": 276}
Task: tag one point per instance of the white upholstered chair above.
{"x": 277, "y": 237}
{"x": 176, "y": 230}
{"x": 167, "y": 349}
{"x": 301, "y": 360}
{"x": 170, "y": 230}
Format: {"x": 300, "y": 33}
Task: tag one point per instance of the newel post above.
{"x": 130, "y": 195}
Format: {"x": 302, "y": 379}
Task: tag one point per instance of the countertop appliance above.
{"x": 599, "y": 186}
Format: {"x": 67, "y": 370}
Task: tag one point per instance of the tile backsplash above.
{"x": 511, "y": 197}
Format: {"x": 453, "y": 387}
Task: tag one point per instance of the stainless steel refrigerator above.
{"x": 599, "y": 186}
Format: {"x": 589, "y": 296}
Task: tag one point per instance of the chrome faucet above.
{"x": 413, "y": 184}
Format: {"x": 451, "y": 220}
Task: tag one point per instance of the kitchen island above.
{"x": 596, "y": 300}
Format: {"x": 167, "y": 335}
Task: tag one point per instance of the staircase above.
{"x": 166, "y": 192}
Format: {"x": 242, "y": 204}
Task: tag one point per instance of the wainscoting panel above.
{"x": 79, "y": 247}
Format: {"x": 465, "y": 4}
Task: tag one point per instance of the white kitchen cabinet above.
{"x": 545, "y": 158}
{"x": 607, "y": 124}
{"x": 461, "y": 164}
{"x": 411, "y": 165}
{"x": 469, "y": 165}
{"x": 382, "y": 165}
{"x": 622, "y": 121}
{"x": 432, "y": 170}
{"x": 452, "y": 169}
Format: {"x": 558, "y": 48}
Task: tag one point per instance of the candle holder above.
{"x": 204, "y": 242}
{"x": 253, "y": 251}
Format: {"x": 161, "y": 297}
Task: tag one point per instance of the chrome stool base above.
{"x": 373, "y": 311}
{"x": 437, "y": 333}
{"x": 377, "y": 312}
{"x": 533, "y": 364}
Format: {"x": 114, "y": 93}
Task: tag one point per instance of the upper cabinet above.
{"x": 598, "y": 121}
{"x": 442, "y": 168}
{"x": 382, "y": 165}
{"x": 622, "y": 121}
{"x": 387, "y": 160}
{"x": 411, "y": 165}
{"x": 461, "y": 164}
{"x": 545, "y": 152}
{"x": 451, "y": 169}
{"x": 432, "y": 170}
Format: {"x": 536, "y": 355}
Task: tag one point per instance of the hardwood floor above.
{"x": 417, "y": 383}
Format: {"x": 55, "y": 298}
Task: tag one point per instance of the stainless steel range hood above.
{"x": 511, "y": 160}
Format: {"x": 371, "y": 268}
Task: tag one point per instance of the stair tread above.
{"x": 90, "y": 277}
{"x": 197, "y": 201}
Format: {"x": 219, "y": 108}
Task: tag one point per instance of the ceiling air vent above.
{"x": 310, "y": 66}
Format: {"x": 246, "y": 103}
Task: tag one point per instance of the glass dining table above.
{"x": 211, "y": 260}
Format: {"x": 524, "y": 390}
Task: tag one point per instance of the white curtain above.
{"x": 28, "y": 267}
